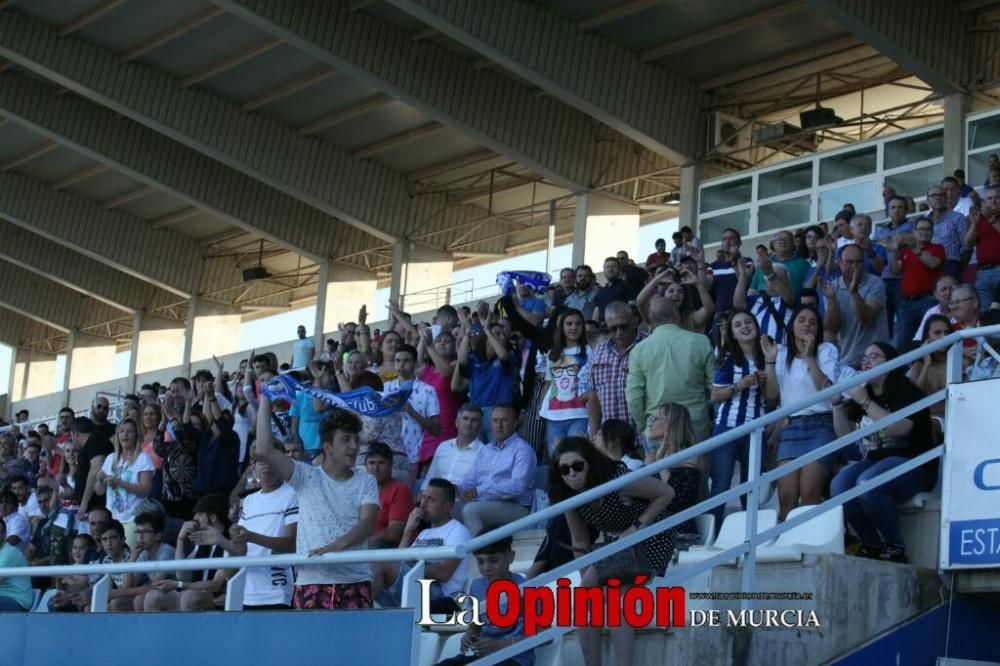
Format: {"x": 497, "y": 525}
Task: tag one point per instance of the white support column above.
{"x": 192, "y": 314}
{"x": 215, "y": 330}
{"x": 157, "y": 342}
{"x": 319, "y": 323}
{"x": 68, "y": 367}
{"x": 18, "y": 386}
{"x": 343, "y": 290}
{"x": 955, "y": 108}
{"x": 40, "y": 374}
{"x": 90, "y": 361}
{"x": 690, "y": 176}
{"x": 415, "y": 271}
{"x": 601, "y": 227}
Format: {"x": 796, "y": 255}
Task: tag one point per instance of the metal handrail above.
{"x": 756, "y": 481}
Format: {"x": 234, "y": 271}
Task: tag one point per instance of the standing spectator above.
{"x": 337, "y": 510}
{"x": 738, "y": 393}
{"x": 896, "y": 208}
{"x": 15, "y": 591}
{"x": 918, "y": 263}
{"x": 724, "y": 273}
{"x": 455, "y": 457}
{"x": 873, "y": 516}
{"x": 126, "y": 477}
{"x": 330, "y": 352}
{"x": 690, "y": 289}
{"x": 615, "y": 289}
{"x": 586, "y": 291}
{"x": 303, "y": 349}
{"x": 636, "y": 276}
{"x": 427, "y": 526}
{"x": 176, "y": 443}
{"x": 305, "y": 417}
{"x": 855, "y": 311}
{"x": 578, "y": 466}
{"x": 565, "y": 288}
{"x": 566, "y": 373}
{"x": 488, "y": 367}
{"x": 876, "y": 258}
{"x": 99, "y": 411}
{"x": 609, "y": 366}
{"x": 773, "y": 307}
{"x": 800, "y": 368}
{"x": 500, "y": 486}
{"x": 440, "y": 358}
{"x": 421, "y": 413}
{"x": 531, "y": 308}
{"x": 672, "y": 365}
{"x": 783, "y": 245}
{"x": 267, "y": 526}
{"x": 395, "y": 498}
{"x": 949, "y": 230}
{"x": 984, "y": 236}
{"x": 658, "y": 258}
{"x": 92, "y": 447}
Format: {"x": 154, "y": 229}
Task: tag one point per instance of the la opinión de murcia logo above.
{"x": 636, "y": 605}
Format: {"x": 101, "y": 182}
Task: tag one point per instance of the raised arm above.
{"x": 279, "y": 462}
{"x": 647, "y": 293}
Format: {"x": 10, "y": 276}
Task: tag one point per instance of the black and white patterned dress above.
{"x": 617, "y": 513}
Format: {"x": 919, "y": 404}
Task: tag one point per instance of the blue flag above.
{"x": 534, "y": 279}
{"x": 365, "y": 401}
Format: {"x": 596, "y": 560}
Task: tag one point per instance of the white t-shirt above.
{"x": 328, "y": 509}
{"x": 268, "y": 514}
{"x": 451, "y": 462}
{"x": 121, "y": 503}
{"x": 300, "y": 352}
{"x": 568, "y": 381}
{"x": 17, "y": 525}
{"x": 31, "y": 508}
{"x": 451, "y": 533}
{"x": 424, "y": 401}
{"x": 795, "y": 383}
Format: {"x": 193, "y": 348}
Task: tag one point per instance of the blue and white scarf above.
{"x": 365, "y": 400}
{"x": 535, "y": 279}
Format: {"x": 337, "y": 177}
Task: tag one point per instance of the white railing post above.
{"x": 753, "y": 495}
{"x": 234, "y": 591}
{"x": 411, "y": 599}
{"x": 954, "y": 367}
{"x": 99, "y": 595}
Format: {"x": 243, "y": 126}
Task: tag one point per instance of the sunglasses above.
{"x": 577, "y": 466}
{"x": 616, "y": 329}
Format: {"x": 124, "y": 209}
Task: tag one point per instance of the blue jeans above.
{"x": 558, "y": 430}
{"x": 909, "y": 312}
{"x": 874, "y": 516}
{"x": 893, "y": 296}
{"x": 986, "y": 284}
{"x": 486, "y": 429}
{"x": 8, "y": 605}
{"x": 721, "y": 464}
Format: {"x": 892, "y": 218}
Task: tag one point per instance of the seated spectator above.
{"x": 112, "y": 538}
{"x": 428, "y": 525}
{"x": 338, "y": 507}
{"x": 72, "y": 591}
{"x": 454, "y": 458}
{"x": 964, "y": 308}
{"x": 500, "y": 486}
{"x": 616, "y": 440}
{"x": 149, "y": 547}
{"x": 15, "y": 591}
{"x": 670, "y": 431}
{"x": 267, "y": 525}
{"x": 483, "y": 639}
{"x": 27, "y": 502}
{"x": 18, "y": 530}
{"x": 873, "y": 516}
{"x": 11, "y": 465}
{"x": 942, "y": 293}
{"x": 395, "y": 498}
{"x": 983, "y": 365}
{"x": 930, "y": 372}
{"x": 38, "y": 553}
{"x": 208, "y": 533}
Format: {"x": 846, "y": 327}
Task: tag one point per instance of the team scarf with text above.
{"x": 365, "y": 400}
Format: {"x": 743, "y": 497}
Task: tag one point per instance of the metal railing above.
{"x": 754, "y": 485}
{"x": 462, "y": 292}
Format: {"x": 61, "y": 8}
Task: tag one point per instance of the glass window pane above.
{"x": 781, "y": 214}
{"x": 724, "y": 195}
{"x": 984, "y": 132}
{"x": 866, "y": 197}
{"x": 915, "y": 183}
{"x": 847, "y": 165}
{"x": 785, "y": 181}
{"x": 910, "y": 149}
{"x": 976, "y": 175}
{"x": 712, "y": 227}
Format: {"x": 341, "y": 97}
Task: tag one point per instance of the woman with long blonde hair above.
{"x": 670, "y": 427}
{"x": 126, "y": 477}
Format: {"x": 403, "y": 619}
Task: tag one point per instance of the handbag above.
{"x": 625, "y": 565}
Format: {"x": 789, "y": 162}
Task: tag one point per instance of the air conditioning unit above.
{"x": 728, "y": 134}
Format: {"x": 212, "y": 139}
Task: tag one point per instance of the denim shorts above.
{"x": 804, "y": 434}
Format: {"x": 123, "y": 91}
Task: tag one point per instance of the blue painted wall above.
{"x": 331, "y": 638}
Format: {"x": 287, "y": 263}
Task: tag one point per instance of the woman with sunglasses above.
{"x": 738, "y": 393}
{"x": 796, "y": 370}
{"x": 567, "y": 389}
{"x": 576, "y": 466}
{"x": 873, "y": 516}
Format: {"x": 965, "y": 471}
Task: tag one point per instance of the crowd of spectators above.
{"x": 591, "y": 379}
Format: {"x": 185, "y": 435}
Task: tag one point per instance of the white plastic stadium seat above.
{"x": 823, "y": 534}
{"x": 452, "y": 647}
{"x": 35, "y": 599}
{"x": 733, "y": 533}
{"x": 706, "y": 529}
{"x": 42, "y": 605}
{"x": 429, "y": 645}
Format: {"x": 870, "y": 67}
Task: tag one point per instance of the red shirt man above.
{"x": 395, "y": 498}
{"x": 921, "y": 264}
